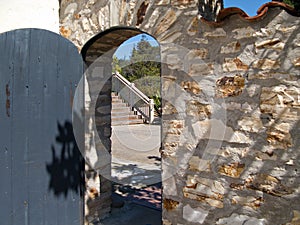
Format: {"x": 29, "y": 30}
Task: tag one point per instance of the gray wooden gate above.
{"x": 41, "y": 168}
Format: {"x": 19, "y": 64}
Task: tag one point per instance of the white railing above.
{"x": 136, "y": 99}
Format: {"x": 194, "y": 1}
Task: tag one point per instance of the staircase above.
{"x": 121, "y": 114}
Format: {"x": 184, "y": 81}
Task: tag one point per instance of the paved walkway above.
{"x": 135, "y": 154}
{"x": 136, "y": 167}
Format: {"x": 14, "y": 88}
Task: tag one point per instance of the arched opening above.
{"x": 130, "y": 179}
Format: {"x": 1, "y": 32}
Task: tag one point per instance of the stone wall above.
{"x": 231, "y": 104}
{"x": 231, "y": 121}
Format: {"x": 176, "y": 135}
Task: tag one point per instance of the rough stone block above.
{"x": 279, "y": 136}
{"x": 238, "y": 219}
{"x": 183, "y": 3}
{"x": 251, "y": 124}
{"x": 191, "y": 86}
{"x": 296, "y": 62}
{"x": 275, "y": 43}
{"x": 170, "y": 204}
{"x": 174, "y": 61}
{"x": 205, "y": 190}
{"x": 232, "y": 170}
{"x": 250, "y": 201}
{"x": 218, "y": 32}
{"x": 280, "y": 101}
{"x": 201, "y": 69}
{"x": 245, "y": 32}
{"x": 266, "y": 64}
{"x": 230, "y": 86}
{"x": 286, "y": 29}
{"x": 65, "y": 31}
{"x": 153, "y": 19}
{"x": 168, "y": 19}
{"x": 264, "y": 32}
{"x": 194, "y": 26}
{"x": 162, "y": 2}
{"x": 198, "y": 110}
{"x": 232, "y": 47}
{"x": 195, "y": 54}
{"x": 169, "y": 109}
{"x": 200, "y": 41}
{"x": 198, "y": 164}
{"x": 268, "y": 184}
{"x": 234, "y": 64}
{"x": 194, "y": 215}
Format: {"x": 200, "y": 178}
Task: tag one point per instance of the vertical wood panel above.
{"x": 6, "y": 73}
{"x": 38, "y": 161}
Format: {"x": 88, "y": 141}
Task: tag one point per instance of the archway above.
{"x": 98, "y": 55}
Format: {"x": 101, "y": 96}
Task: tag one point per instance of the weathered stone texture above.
{"x": 230, "y": 86}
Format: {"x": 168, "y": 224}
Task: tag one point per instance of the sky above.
{"x": 125, "y": 49}
{"x": 249, "y": 6}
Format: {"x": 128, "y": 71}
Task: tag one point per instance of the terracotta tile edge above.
{"x": 261, "y": 13}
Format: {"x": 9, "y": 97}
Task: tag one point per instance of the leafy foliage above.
{"x": 143, "y": 69}
{"x": 293, "y": 3}
{"x": 144, "y": 61}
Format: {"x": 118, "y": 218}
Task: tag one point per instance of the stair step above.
{"x": 119, "y": 105}
{"x": 125, "y": 117}
{"x": 117, "y": 100}
{"x": 121, "y": 110}
{"x": 121, "y": 113}
{"x": 129, "y": 122}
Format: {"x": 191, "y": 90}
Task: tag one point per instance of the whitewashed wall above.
{"x": 16, "y": 14}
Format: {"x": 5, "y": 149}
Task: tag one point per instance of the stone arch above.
{"x": 97, "y": 54}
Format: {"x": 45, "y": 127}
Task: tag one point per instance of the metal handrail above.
{"x": 134, "y": 97}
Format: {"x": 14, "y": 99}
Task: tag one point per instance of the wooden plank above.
{"x": 6, "y": 72}
{"x": 19, "y": 140}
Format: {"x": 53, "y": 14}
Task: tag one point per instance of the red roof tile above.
{"x": 261, "y": 12}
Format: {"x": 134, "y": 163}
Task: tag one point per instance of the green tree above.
{"x": 116, "y": 65}
{"x": 144, "y": 61}
{"x": 293, "y": 3}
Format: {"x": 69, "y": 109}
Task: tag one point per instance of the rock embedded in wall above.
{"x": 210, "y": 192}
{"x": 167, "y": 20}
{"x": 191, "y": 86}
{"x": 249, "y": 201}
{"x": 279, "y": 136}
{"x": 195, "y": 54}
{"x": 244, "y": 32}
{"x": 162, "y": 2}
{"x": 170, "y": 204}
{"x": 266, "y": 64}
{"x": 230, "y": 86}
{"x": 182, "y": 4}
{"x": 234, "y": 64}
{"x": 241, "y": 219}
{"x": 200, "y": 69}
{"x": 232, "y": 47}
{"x": 274, "y": 43}
{"x": 217, "y": 33}
{"x": 194, "y": 215}
{"x": 198, "y": 111}
{"x": 232, "y": 170}
{"x": 198, "y": 164}
{"x": 194, "y": 26}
